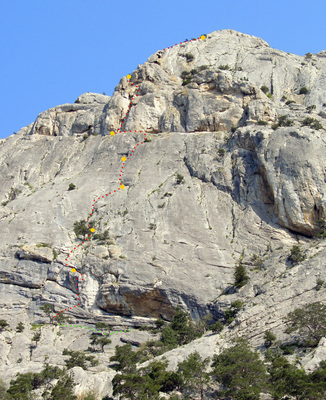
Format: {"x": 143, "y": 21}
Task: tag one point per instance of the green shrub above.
{"x": 14, "y": 192}
{"x": 284, "y": 121}
{"x": 275, "y": 126}
{"x": 101, "y": 325}
{"x": 308, "y": 121}
{"x": 264, "y": 89}
{"x": 159, "y": 325}
{"x": 152, "y": 226}
{"x": 257, "y": 261}
{"x": 42, "y": 245}
{"x": 189, "y": 57}
{"x": 320, "y": 284}
{"x": 260, "y": 122}
{"x": 55, "y": 254}
{"x": 308, "y": 56}
{"x": 289, "y": 102}
{"x": 316, "y": 125}
{"x": 322, "y": 228}
{"x": 185, "y": 74}
{"x": 231, "y": 312}
{"x": 60, "y": 318}
{"x": 269, "y": 338}
{"x": 310, "y": 108}
{"x": 221, "y": 152}
{"x": 240, "y": 276}
{"x": 217, "y": 327}
{"x": 102, "y": 236}
{"x": 71, "y": 186}
{"x": 36, "y": 326}
{"x": 78, "y": 359}
{"x": 48, "y": 310}
{"x": 237, "y": 305}
{"x": 303, "y": 90}
{"x": 269, "y": 95}
{"x": 224, "y": 67}
{"x": 3, "y": 324}
{"x": 312, "y": 122}
{"x": 81, "y": 229}
{"x": 203, "y": 323}
{"x": 36, "y": 337}
{"x": 296, "y": 255}
{"x": 203, "y": 67}
{"x": 179, "y": 179}
{"x": 186, "y": 81}
{"x": 20, "y": 327}
{"x": 288, "y": 349}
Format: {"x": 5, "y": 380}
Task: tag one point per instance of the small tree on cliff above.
{"x": 48, "y": 310}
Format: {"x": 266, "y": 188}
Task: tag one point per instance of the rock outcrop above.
{"x": 233, "y": 164}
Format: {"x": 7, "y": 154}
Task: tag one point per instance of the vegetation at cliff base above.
{"x": 309, "y": 322}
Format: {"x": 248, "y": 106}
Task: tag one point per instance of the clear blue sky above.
{"x": 53, "y": 50}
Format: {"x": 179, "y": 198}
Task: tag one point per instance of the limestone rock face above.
{"x": 215, "y": 179}
{"x": 89, "y": 98}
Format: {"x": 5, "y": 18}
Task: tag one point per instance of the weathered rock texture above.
{"x": 209, "y": 184}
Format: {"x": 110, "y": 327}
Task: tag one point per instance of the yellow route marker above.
{"x": 111, "y": 133}
{"x": 122, "y": 186}
{"x": 128, "y": 76}
{"x": 203, "y": 37}
{"x": 92, "y": 229}
{"x": 123, "y": 158}
{"x": 73, "y": 269}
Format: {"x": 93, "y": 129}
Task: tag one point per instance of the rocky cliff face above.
{"x": 233, "y": 163}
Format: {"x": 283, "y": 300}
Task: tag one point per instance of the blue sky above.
{"x": 53, "y": 50}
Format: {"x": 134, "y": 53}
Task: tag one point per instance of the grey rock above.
{"x": 210, "y": 184}
{"x": 89, "y": 98}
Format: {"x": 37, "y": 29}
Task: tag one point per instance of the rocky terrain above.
{"x": 233, "y": 167}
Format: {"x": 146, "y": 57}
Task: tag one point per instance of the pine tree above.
{"x": 126, "y": 359}
{"x": 240, "y": 370}
{"x": 63, "y": 389}
{"x": 20, "y": 327}
{"x": 21, "y": 387}
{"x": 193, "y": 373}
{"x": 240, "y": 276}
{"x": 48, "y": 310}
{"x": 310, "y": 322}
{"x": 100, "y": 340}
{"x": 287, "y": 379}
{"x": 181, "y": 330}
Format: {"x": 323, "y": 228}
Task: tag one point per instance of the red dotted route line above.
{"x": 114, "y": 191}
